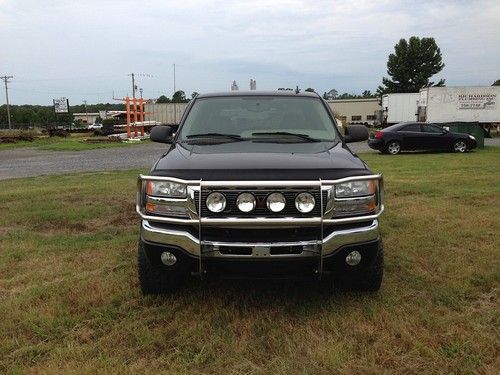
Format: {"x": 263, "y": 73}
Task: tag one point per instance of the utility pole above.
{"x": 140, "y": 90}
{"x": 5, "y": 81}
{"x": 86, "y": 113}
{"x": 174, "y": 78}
{"x": 175, "y": 104}
{"x": 133, "y": 84}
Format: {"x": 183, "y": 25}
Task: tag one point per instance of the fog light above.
{"x": 246, "y": 202}
{"x": 216, "y": 202}
{"x": 168, "y": 259}
{"x": 276, "y": 202}
{"x": 304, "y": 202}
{"x": 353, "y": 258}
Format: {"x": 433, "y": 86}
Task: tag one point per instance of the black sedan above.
{"x": 419, "y": 136}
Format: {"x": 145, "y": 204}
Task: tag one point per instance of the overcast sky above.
{"x": 85, "y": 49}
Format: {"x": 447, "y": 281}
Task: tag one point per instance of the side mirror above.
{"x": 356, "y": 133}
{"x": 161, "y": 134}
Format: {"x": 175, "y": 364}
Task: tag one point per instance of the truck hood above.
{"x": 250, "y": 160}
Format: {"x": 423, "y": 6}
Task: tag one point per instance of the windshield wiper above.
{"x": 210, "y": 135}
{"x": 301, "y": 136}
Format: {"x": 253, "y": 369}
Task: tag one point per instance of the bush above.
{"x": 17, "y": 136}
{"x": 108, "y": 126}
{"x": 58, "y": 133}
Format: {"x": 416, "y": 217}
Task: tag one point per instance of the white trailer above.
{"x": 164, "y": 113}
{"x": 460, "y": 104}
{"x": 399, "y": 107}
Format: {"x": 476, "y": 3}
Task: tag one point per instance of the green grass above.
{"x": 69, "y": 298}
{"x": 71, "y": 143}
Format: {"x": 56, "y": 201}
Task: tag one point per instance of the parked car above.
{"x": 419, "y": 136}
{"x": 94, "y": 126}
{"x": 259, "y": 184}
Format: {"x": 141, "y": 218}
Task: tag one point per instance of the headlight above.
{"x": 166, "y": 189}
{"x": 355, "y": 206}
{"x": 216, "y": 202}
{"x": 246, "y": 202}
{"x": 356, "y": 198}
{"x": 276, "y": 202}
{"x": 355, "y": 189}
{"x": 305, "y": 202}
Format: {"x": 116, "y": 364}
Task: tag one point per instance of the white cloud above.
{"x": 87, "y": 48}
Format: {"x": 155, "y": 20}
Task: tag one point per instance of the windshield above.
{"x": 292, "y": 118}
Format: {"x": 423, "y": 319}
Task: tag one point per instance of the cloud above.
{"x": 87, "y": 48}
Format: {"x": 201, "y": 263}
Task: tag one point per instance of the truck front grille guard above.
{"x": 196, "y": 186}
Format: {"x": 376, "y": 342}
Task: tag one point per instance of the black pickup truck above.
{"x": 259, "y": 184}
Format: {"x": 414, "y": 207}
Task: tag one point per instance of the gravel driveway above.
{"x": 28, "y": 162}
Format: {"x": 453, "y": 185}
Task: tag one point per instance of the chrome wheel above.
{"x": 393, "y": 148}
{"x": 459, "y": 146}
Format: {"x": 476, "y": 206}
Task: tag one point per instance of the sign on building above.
{"x": 477, "y": 101}
{"x": 61, "y": 105}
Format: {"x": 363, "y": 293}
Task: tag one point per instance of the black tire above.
{"x": 460, "y": 146}
{"x": 369, "y": 280}
{"x": 393, "y": 147}
{"x": 154, "y": 280}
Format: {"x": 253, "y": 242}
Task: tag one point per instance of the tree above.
{"x": 163, "y": 99}
{"x": 332, "y": 94}
{"x": 496, "y": 83}
{"x": 309, "y": 89}
{"x": 179, "y": 97}
{"x": 368, "y": 94}
{"x": 411, "y": 66}
{"x": 194, "y": 94}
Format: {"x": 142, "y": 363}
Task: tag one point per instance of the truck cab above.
{"x": 259, "y": 184}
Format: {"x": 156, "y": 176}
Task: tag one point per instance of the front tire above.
{"x": 393, "y": 148}
{"x": 459, "y": 146}
{"x": 155, "y": 280}
{"x": 369, "y": 280}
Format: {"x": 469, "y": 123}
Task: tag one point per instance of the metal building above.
{"x": 356, "y": 111}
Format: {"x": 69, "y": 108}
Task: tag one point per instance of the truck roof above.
{"x": 259, "y": 93}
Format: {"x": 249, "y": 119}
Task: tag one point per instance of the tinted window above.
{"x": 410, "y": 128}
{"x": 432, "y": 129}
{"x": 245, "y": 115}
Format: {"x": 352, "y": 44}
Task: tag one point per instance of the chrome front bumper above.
{"x": 194, "y": 247}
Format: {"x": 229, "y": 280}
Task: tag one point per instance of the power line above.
{"x": 5, "y": 81}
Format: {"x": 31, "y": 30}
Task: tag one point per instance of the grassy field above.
{"x": 69, "y": 299}
{"x": 71, "y": 143}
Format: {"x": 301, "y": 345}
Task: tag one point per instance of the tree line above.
{"x": 178, "y": 97}
{"x": 44, "y": 115}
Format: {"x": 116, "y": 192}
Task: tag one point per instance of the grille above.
{"x": 261, "y": 209}
{"x": 263, "y": 235}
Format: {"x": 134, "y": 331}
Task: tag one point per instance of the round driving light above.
{"x": 353, "y": 258}
{"x": 168, "y": 259}
{"x": 216, "y": 202}
{"x": 246, "y": 202}
{"x": 276, "y": 202}
{"x": 304, "y": 202}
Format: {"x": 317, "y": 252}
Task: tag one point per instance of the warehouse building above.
{"x": 357, "y": 111}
